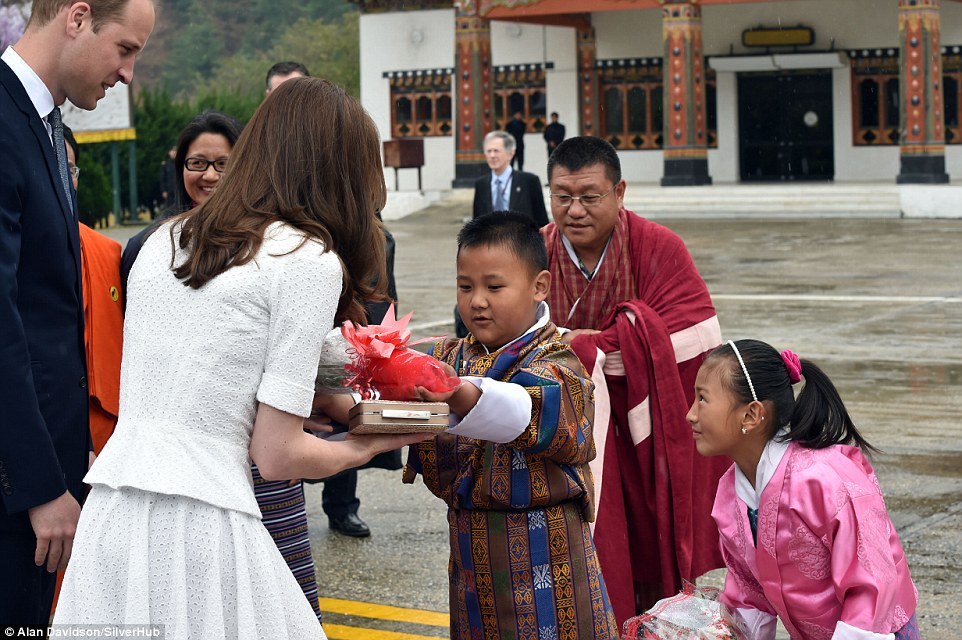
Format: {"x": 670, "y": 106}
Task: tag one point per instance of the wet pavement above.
{"x": 876, "y": 302}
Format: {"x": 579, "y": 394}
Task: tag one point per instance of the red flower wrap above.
{"x": 384, "y": 366}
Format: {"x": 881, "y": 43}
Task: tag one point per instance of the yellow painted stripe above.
{"x": 384, "y": 612}
{"x": 343, "y": 632}
{"x": 107, "y": 135}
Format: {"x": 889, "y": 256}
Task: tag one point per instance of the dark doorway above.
{"x": 785, "y": 121}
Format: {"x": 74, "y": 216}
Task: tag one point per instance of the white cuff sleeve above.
{"x": 756, "y": 624}
{"x": 845, "y": 631}
{"x": 502, "y": 413}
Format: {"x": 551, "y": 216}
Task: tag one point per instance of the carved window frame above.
{"x": 643, "y": 78}
{"x": 521, "y": 87}
{"x": 421, "y": 103}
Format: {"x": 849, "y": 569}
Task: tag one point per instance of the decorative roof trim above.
{"x": 528, "y": 66}
{"x": 627, "y": 62}
{"x": 418, "y": 73}
{"x": 877, "y": 52}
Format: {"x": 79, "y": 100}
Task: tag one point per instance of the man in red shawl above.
{"x": 641, "y": 321}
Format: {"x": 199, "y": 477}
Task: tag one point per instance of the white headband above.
{"x": 744, "y": 370}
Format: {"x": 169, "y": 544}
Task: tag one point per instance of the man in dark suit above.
{"x": 554, "y": 133}
{"x": 517, "y": 128}
{"x": 505, "y": 189}
{"x": 69, "y": 50}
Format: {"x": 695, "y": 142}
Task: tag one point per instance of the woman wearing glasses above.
{"x": 201, "y": 157}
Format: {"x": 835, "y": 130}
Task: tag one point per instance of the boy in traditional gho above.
{"x": 513, "y": 468}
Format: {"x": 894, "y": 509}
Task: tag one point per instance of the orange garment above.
{"x": 103, "y": 336}
{"x": 103, "y": 330}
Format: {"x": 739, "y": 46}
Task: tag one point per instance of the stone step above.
{"x": 804, "y": 200}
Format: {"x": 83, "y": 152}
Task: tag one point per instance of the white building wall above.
{"x": 850, "y": 24}
{"x": 516, "y": 43}
{"x": 404, "y": 41}
{"x": 632, "y": 34}
{"x": 628, "y": 34}
{"x": 723, "y": 161}
{"x": 425, "y": 40}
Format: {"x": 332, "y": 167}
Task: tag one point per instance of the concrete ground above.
{"x": 876, "y": 302}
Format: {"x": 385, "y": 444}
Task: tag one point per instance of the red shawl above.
{"x": 654, "y": 525}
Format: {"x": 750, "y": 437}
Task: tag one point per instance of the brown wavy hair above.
{"x": 309, "y": 157}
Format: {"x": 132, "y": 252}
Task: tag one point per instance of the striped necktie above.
{"x": 499, "y": 189}
{"x": 60, "y": 147}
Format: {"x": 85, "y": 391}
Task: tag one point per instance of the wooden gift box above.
{"x": 388, "y": 416}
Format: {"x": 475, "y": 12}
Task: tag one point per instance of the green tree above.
{"x": 195, "y": 51}
{"x": 328, "y": 49}
{"x": 213, "y": 64}
{"x": 93, "y": 187}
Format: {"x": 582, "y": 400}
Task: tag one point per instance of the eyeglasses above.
{"x": 201, "y": 164}
{"x": 75, "y": 171}
{"x": 587, "y": 200}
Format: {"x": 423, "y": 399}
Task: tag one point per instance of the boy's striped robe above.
{"x": 522, "y": 560}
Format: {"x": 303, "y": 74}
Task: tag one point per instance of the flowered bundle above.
{"x": 377, "y": 362}
{"x": 693, "y": 614}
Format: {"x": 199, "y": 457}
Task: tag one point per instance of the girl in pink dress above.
{"x": 803, "y": 527}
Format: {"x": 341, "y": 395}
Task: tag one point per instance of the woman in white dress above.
{"x": 227, "y": 310}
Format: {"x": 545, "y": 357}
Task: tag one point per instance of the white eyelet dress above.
{"x": 171, "y": 533}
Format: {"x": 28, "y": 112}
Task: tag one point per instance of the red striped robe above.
{"x": 654, "y": 493}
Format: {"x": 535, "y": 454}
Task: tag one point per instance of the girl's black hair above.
{"x": 817, "y": 419}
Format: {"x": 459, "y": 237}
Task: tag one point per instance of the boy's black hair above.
{"x": 516, "y": 232}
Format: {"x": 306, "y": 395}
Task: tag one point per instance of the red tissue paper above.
{"x": 383, "y": 366}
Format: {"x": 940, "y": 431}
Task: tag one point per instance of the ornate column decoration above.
{"x": 588, "y": 81}
{"x": 685, "y": 126}
{"x": 922, "y": 142}
{"x": 473, "y": 113}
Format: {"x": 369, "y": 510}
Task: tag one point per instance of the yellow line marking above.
{"x": 343, "y": 632}
{"x": 384, "y": 612}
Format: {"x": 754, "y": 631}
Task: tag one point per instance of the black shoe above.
{"x": 349, "y": 525}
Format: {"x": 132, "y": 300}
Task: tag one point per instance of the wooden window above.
{"x": 875, "y": 97}
{"x": 952, "y": 93}
{"x": 876, "y": 107}
{"x": 421, "y": 103}
{"x": 521, "y": 88}
{"x": 632, "y": 101}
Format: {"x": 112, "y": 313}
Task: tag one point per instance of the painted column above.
{"x": 685, "y": 127}
{"x": 922, "y": 143}
{"x": 588, "y": 81}
{"x": 473, "y": 117}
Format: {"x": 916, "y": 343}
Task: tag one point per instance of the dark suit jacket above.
{"x": 44, "y": 434}
{"x": 526, "y": 196}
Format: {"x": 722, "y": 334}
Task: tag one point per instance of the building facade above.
{"x": 690, "y": 92}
